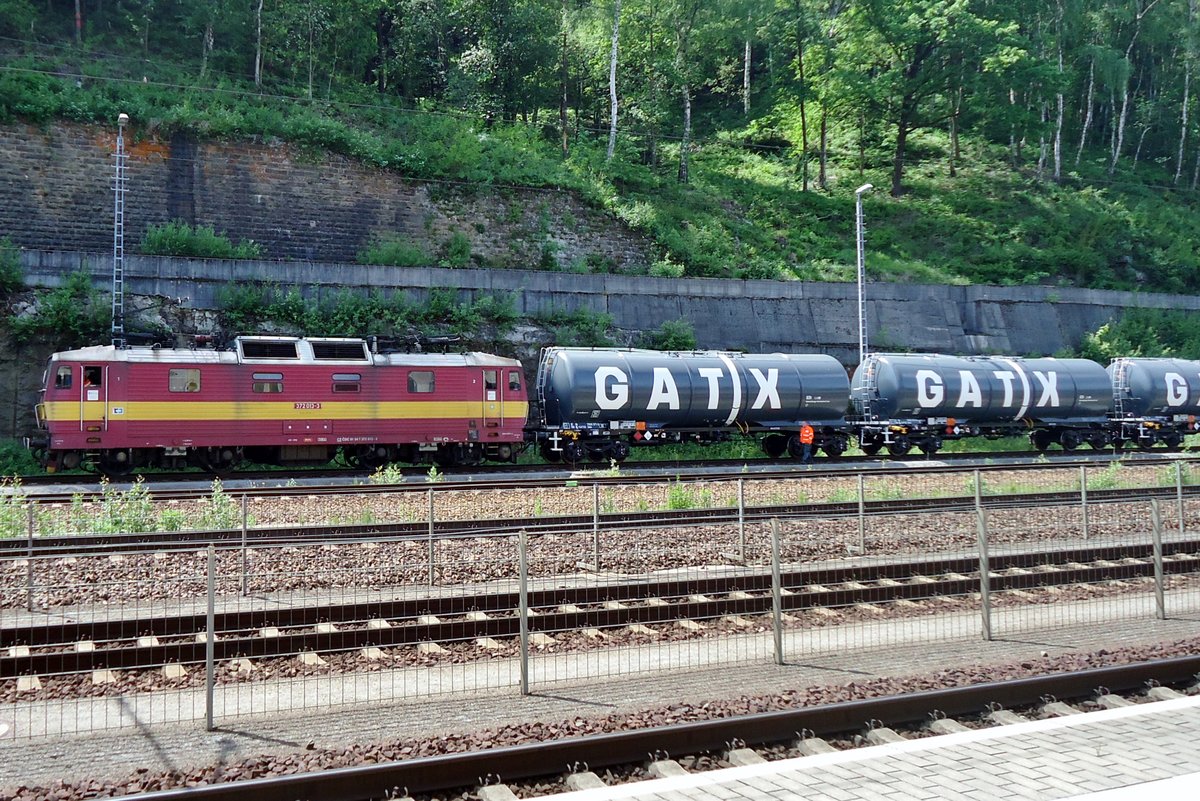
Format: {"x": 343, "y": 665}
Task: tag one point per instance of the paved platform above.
{"x": 1143, "y": 751}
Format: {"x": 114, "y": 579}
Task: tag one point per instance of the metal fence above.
{"x": 780, "y": 570}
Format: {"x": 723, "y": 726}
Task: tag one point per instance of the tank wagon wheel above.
{"x": 835, "y": 446}
{"x": 775, "y": 445}
{"x": 795, "y": 447}
{"x": 1098, "y": 440}
{"x": 930, "y": 446}
{"x": 1070, "y": 440}
{"x": 1041, "y": 439}
{"x": 548, "y": 452}
{"x": 573, "y": 452}
{"x": 870, "y": 444}
{"x": 1173, "y": 440}
{"x": 1148, "y": 441}
{"x": 899, "y": 446}
{"x": 619, "y": 451}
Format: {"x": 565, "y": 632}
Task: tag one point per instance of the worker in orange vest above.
{"x": 806, "y": 439}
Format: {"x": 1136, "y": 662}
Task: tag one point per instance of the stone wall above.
{"x": 56, "y": 194}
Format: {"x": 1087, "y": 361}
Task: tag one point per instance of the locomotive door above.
{"x": 93, "y": 398}
{"x": 493, "y": 400}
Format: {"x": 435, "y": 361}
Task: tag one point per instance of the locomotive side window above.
{"x": 92, "y": 376}
{"x": 420, "y": 381}
{"x": 62, "y": 379}
{"x": 514, "y": 380}
{"x": 346, "y": 382}
{"x": 184, "y": 380}
{"x": 268, "y": 382}
{"x": 489, "y": 380}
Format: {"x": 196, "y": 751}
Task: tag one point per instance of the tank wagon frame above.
{"x": 277, "y": 400}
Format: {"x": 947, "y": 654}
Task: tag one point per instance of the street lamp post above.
{"x": 118, "y": 275}
{"x": 862, "y": 302}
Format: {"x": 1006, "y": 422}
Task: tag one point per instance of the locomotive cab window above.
{"x": 270, "y": 383}
{"x": 489, "y": 380}
{"x": 93, "y": 376}
{"x": 183, "y": 380}
{"x": 420, "y": 381}
{"x": 514, "y": 380}
{"x": 62, "y": 378}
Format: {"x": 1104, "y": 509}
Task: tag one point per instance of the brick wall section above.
{"x": 56, "y": 194}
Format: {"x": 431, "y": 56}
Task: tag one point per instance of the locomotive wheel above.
{"x": 116, "y": 463}
{"x": 573, "y": 452}
{"x": 1070, "y": 440}
{"x": 1041, "y": 439}
{"x": 619, "y": 451}
{"x": 775, "y": 445}
{"x": 549, "y": 454}
{"x": 899, "y": 446}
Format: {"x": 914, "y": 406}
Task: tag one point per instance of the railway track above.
{"x": 103, "y": 544}
{"x": 143, "y": 643}
{"x": 502, "y": 477}
{"x": 797, "y": 728}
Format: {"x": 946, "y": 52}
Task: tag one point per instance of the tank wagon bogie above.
{"x": 278, "y": 400}
{"x": 597, "y": 403}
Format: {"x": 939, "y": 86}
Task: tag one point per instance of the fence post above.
{"x": 430, "y": 551}
{"x": 1083, "y": 498}
{"x": 985, "y": 576}
{"x": 29, "y": 559}
{"x": 596, "y": 526}
{"x": 1160, "y": 605}
{"x": 523, "y": 592}
{"x": 245, "y": 558}
{"x": 776, "y": 592}
{"x": 210, "y": 638}
{"x": 862, "y": 516}
{"x": 1179, "y": 497}
{"x": 742, "y": 520}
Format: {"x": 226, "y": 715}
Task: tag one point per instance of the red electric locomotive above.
{"x": 278, "y": 400}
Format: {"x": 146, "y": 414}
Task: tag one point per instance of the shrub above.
{"x": 395, "y": 252}
{"x": 177, "y": 238}
{"x": 70, "y": 316}
{"x": 11, "y": 277}
{"x": 457, "y": 251}
{"x": 671, "y": 335}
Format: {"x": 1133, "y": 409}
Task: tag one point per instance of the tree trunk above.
{"x": 258, "y": 44}
{"x": 746, "y": 78}
{"x": 1183, "y": 122}
{"x": 78, "y": 23}
{"x": 1087, "y": 119}
{"x": 1058, "y": 119}
{"x": 898, "y": 161}
{"x": 206, "y": 48}
{"x": 562, "y": 84}
{"x": 1120, "y": 141}
{"x": 955, "y": 152}
{"x": 311, "y": 34}
{"x": 803, "y": 115}
{"x": 687, "y": 133}
{"x": 822, "y": 175}
{"x": 612, "y": 82}
{"x": 1043, "y": 147}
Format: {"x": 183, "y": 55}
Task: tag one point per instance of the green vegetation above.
{"x": 1145, "y": 332}
{"x": 581, "y": 328}
{"x": 12, "y": 278}
{"x": 199, "y": 242}
{"x": 751, "y": 180}
{"x": 671, "y": 335}
{"x": 16, "y": 460}
{"x": 70, "y": 316}
{"x": 395, "y": 252}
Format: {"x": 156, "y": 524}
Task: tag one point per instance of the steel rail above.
{"x": 105, "y": 544}
{"x": 236, "y": 631}
{"x": 599, "y": 475}
{"x": 556, "y": 757}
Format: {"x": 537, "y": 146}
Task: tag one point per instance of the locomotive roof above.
{"x": 141, "y": 355}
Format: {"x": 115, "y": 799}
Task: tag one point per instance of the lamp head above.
{"x": 122, "y": 119}
{"x": 863, "y": 188}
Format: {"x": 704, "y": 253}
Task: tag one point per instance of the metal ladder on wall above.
{"x": 118, "y": 275}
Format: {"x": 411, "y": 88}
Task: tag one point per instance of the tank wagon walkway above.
{"x": 1136, "y": 752}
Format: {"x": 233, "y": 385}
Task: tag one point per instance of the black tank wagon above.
{"x": 1155, "y": 400}
{"x": 597, "y": 402}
